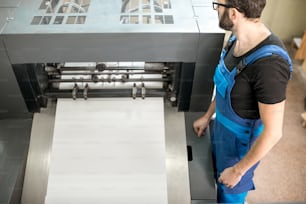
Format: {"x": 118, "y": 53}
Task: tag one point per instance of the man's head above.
{"x": 250, "y": 8}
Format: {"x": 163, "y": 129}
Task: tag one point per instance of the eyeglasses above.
{"x": 216, "y": 5}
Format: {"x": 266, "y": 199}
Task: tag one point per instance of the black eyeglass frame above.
{"x": 215, "y": 5}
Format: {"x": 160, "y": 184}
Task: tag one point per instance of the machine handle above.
{"x": 189, "y": 153}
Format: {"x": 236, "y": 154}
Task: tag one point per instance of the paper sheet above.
{"x": 108, "y": 151}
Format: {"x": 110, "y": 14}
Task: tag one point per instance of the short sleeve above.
{"x": 270, "y": 79}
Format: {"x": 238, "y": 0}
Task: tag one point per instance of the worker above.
{"x": 250, "y": 80}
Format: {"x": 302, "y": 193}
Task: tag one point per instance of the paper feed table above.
{"x": 109, "y": 150}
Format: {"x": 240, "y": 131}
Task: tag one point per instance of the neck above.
{"x": 249, "y": 35}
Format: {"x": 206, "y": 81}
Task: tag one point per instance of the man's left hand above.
{"x": 229, "y": 177}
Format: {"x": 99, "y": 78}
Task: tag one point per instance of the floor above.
{"x": 281, "y": 177}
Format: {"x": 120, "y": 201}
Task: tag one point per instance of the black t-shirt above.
{"x": 263, "y": 81}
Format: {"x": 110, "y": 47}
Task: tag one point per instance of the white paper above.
{"x": 108, "y": 151}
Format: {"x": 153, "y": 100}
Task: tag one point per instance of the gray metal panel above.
{"x": 166, "y": 47}
{"x": 6, "y": 15}
{"x": 37, "y": 168}
{"x": 209, "y": 49}
{"x": 177, "y": 165}
{"x": 14, "y": 140}
{"x": 210, "y": 46}
{"x": 207, "y": 19}
{"x": 201, "y": 3}
{"x": 203, "y": 202}
{"x": 36, "y": 177}
{"x": 103, "y": 17}
{"x": 200, "y": 168}
{"x": 202, "y": 87}
{"x": 12, "y": 103}
{"x": 10, "y": 3}
{"x": 7, "y": 12}
{"x": 4, "y": 12}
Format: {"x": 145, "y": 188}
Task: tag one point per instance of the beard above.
{"x": 225, "y": 22}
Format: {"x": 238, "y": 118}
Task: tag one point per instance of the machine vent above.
{"x": 62, "y": 12}
{"x": 146, "y": 12}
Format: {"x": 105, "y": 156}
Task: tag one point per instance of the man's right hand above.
{"x": 200, "y": 125}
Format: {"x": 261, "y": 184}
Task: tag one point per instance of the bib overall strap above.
{"x": 262, "y": 52}
{"x": 230, "y": 42}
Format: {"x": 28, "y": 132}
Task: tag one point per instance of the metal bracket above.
{"x": 75, "y": 91}
{"x": 85, "y": 91}
{"x": 134, "y": 91}
{"x": 143, "y": 91}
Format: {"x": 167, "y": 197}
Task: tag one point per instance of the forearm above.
{"x": 232, "y": 175}
{"x": 259, "y": 150}
{"x": 211, "y": 110}
{"x": 272, "y": 117}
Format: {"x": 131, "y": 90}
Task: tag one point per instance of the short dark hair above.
{"x": 250, "y": 8}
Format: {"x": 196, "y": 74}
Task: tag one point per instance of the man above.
{"x": 251, "y": 80}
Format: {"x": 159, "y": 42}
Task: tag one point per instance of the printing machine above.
{"x": 82, "y": 49}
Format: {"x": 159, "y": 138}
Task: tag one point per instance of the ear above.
{"x": 234, "y": 14}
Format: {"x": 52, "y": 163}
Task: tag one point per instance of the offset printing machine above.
{"x": 83, "y": 49}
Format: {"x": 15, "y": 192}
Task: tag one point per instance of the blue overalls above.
{"x": 232, "y": 135}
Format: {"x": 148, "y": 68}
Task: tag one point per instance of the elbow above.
{"x": 276, "y": 136}
{"x": 272, "y": 136}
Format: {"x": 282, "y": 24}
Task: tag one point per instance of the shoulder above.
{"x": 274, "y": 62}
{"x": 270, "y": 40}
{"x": 274, "y": 65}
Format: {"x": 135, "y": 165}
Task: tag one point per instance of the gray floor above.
{"x": 281, "y": 177}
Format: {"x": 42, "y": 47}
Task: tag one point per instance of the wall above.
{"x": 286, "y": 18}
